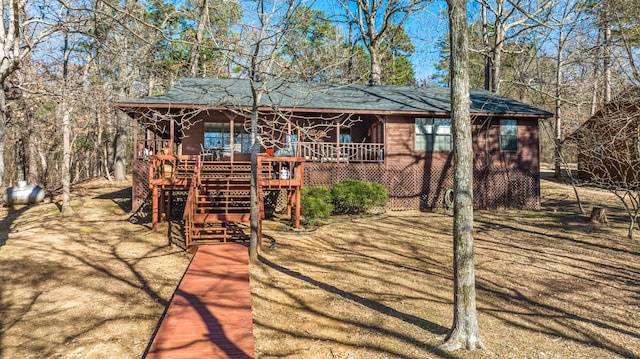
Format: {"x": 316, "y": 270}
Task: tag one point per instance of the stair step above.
{"x": 217, "y": 217}
{"x": 209, "y": 229}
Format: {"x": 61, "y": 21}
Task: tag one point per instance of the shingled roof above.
{"x": 316, "y": 97}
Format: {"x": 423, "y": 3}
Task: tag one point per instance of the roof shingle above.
{"x": 224, "y": 93}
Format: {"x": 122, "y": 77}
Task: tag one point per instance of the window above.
{"x": 508, "y": 135}
{"x": 345, "y": 135}
{"x": 433, "y": 134}
{"x": 218, "y": 135}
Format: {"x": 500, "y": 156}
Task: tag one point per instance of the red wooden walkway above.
{"x": 210, "y": 313}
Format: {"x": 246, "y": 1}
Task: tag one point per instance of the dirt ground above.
{"x": 92, "y": 285}
{"x": 550, "y": 283}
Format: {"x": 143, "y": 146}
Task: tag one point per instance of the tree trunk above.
{"x": 558, "y": 126}
{"x": 255, "y": 208}
{"x": 105, "y": 150}
{"x": 66, "y": 161}
{"x": 376, "y": 67}
{"x": 606, "y": 63}
{"x": 3, "y": 122}
{"x": 496, "y": 60}
{"x": 19, "y": 159}
{"x": 485, "y": 47}
{"x": 599, "y": 215}
{"x": 464, "y": 332}
{"x": 32, "y": 153}
{"x": 120, "y": 149}
{"x": 204, "y": 19}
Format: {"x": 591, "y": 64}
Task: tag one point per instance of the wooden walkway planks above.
{"x": 210, "y": 313}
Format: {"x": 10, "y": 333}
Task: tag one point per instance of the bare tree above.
{"x": 375, "y": 21}
{"x": 464, "y": 332}
{"x": 511, "y": 18}
{"x": 24, "y": 25}
{"x": 565, "y": 23}
{"x": 259, "y": 56}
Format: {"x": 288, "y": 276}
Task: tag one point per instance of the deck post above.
{"x": 171, "y": 139}
{"x": 297, "y": 219}
{"x": 163, "y": 199}
{"x": 289, "y": 200}
{"x": 154, "y": 207}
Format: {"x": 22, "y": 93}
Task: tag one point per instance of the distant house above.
{"x": 608, "y": 144}
{"x": 398, "y": 136}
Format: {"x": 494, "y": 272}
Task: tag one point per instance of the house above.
{"x": 608, "y": 143}
{"x": 398, "y": 136}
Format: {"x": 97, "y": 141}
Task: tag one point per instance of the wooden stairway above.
{"x": 219, "y": 204}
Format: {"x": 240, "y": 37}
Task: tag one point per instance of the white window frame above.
{"x": 433, "y": 134}
{"x": 509, "y": 135}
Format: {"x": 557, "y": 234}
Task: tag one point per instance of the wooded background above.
{"x": 64, "y": 64}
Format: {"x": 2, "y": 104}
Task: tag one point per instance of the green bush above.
{"x": 357, "y": 197}
{"x": 316, "y": 204}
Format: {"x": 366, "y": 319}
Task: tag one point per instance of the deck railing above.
{"x": 340, "y": 152}
{"x": 171, "y": 167}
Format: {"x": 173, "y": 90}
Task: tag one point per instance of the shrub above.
{"x": 357, "y": 197}
{"x": 315, "y": 204}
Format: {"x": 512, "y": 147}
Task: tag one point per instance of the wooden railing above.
{"x": 150, "y": 147}
{"x": 340, "y": 152}
{"x": 191, "y": 204}
{"x": 171, "y": 167}
{"x": 280, "y": 172}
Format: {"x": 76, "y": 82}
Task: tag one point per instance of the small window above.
{"x": 345, "y": 135}
{"x": 508, "y": 135}
{"x": 433, "y": 134}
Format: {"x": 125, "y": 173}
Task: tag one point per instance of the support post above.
{"x": 162, "y": 205}
{"x": 154, "y": 208}
{"x": 297, "y": 214}
{"x": 171, "y": 136}
{"x": 289, "y": 200}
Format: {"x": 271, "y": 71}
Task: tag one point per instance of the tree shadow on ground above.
{"x": 431, "y": 327}
{"x": 13, "y": 213}
{"x": 120, "y": 197}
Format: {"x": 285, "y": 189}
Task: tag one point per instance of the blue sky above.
{"x": 424, "y": 28}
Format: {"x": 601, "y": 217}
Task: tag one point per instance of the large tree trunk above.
{"x": 204, "y": 20}
{"x": 3, "y": 122}
{"x": 66, "y": 161}
{"x": 558, "y": 103}
{"x": 496, "y": 60}
{"x": 120, "y": 149}
{"x": 375, "y": 77}
{"x": 255, "y": 206}
{"x": 32, "y": 152}
{"x": 464, "y": 332}
{"x": 485, "y": 47}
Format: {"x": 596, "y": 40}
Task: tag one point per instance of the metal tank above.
{"x": 23, "y": 194}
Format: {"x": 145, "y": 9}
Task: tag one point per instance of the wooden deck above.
{"x": 210, "y": 313}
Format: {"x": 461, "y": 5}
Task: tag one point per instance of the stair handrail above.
{"x": 191, "y": 203}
